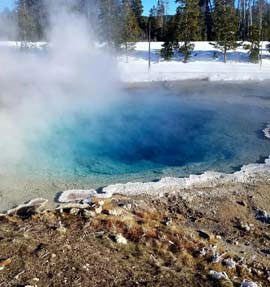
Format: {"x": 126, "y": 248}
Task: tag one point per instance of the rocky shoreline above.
{"x": 200, "y": 235}
{"x": 249, "y": 174}
{"x": 203, "y": 231}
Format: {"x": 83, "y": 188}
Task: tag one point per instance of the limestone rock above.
{"x": 77, "y": 195}
{"x": 120, "y": 239}
{"x": 98, "y": 210}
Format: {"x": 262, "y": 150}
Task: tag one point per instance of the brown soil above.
{"x": 170, "y": 241}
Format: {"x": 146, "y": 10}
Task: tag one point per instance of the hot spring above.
{"x": 150, "y": 131}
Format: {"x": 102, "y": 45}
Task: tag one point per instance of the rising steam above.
{"x": 71, "y": 75}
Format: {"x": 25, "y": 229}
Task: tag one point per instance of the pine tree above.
{"x": 32, "y": 19}
{"x": 225, "y": 27}
{"x": 8, "y": 27}
{"x": 206, "y": 20}
{"x": 25, "y": 22}
{"x": 153, "y": 22}
{"x": 167, "y": 51}
{"x": 109, "y": 20}
{"x": 254, "y": 46}
{"x": 266, "y": 23}
{"x": 188, "y": 28}
{"x": 39, "y": 12}
{"x": 130, "y": 28}
{"x": 137, "y": 8}
{"x": 89, "y": 9}
{"x": 160, "y": 18}
{"x": 171, "y": 45}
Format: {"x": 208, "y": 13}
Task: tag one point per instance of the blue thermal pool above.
{"x": 151, "y": 132}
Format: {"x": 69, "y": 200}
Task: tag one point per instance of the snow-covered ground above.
{"x": 17, "y": 44}
{"x": 206, "y": 63}
{"x": 202, "y": 65}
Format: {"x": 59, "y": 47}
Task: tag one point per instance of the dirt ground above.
{"x": 143, "y": 241}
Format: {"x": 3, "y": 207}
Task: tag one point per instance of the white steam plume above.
{"x": 74, "y": 75}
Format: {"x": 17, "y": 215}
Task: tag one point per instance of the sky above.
{"x": 148, "y": 4}
{"x": 6, "y": 3}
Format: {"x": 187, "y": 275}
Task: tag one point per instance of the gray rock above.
{"x": 217, "y": 257}
{"x": 218, "y": 275}
{"x": 204, "y": 234}
{"x": 71, "y": 206}
{"x": 247, "y": 283}
{"x": 28, "y": 209}
{"x": 230, "y": 263}
{"x": 263, "y": 216}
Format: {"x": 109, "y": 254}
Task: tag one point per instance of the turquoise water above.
{"x": 141, "y": 134}
{"x": 154, "y": 131}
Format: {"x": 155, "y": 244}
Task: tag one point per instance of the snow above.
{"x": 18, "y": 44}
{"x": 206, "y": 63}
{"x": 202, "y": 65}
{"x": 249, "y": 174}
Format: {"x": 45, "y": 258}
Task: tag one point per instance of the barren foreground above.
{"x": 173, "y": 240}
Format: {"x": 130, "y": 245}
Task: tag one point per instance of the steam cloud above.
{"x": 74, "y": 75}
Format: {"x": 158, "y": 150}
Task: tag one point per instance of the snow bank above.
{"x": 205, "y": 63}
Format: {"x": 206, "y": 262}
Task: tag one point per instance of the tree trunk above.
{"x": 225, "y": 55}
{"x": 250, "y": 14}
{"x": 126, "y": 45}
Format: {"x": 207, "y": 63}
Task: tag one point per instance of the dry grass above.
{"x": 163, "y": 249}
